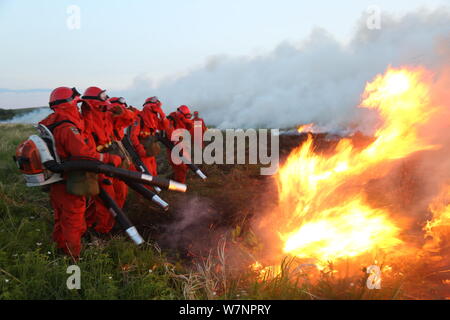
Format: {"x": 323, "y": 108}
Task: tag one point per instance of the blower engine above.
{"x": 31, "y": 156}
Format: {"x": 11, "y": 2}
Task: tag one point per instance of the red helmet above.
{"x": 118, "y": 100}
{"x": 152, "y": 102}
{"x": 95, "y": 93}
{"x": 195, "y": 113}
{"x": 62, "y": 95}
{"x": 184, "y": 110}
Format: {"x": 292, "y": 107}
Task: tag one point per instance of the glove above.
{"x": 114, "y": 160}
{"x": 126, "y": 164}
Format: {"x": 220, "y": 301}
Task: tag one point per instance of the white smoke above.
{"x": 319, "y": 80}
{"x": 32, "y": 117}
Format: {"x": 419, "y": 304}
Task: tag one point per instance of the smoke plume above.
{"x": 191, "y": 226}
{"x": 32, "y": 117}
{"x": 318, "y": 80}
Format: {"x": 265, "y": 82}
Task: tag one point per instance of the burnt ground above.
{"x": 234, "y": 194}
{"x": 231, "y": 196}
{"x": 197, "y": 219}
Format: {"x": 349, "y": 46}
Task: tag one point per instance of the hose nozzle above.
{"x": 134, "y": 235}
{"x": 200, "y": 174}
{"x": 160, "y": 202}
{"x": 177, "y": 186}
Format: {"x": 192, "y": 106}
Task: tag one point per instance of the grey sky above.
{"x": 121, "y": 40}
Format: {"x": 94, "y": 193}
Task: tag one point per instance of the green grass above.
{"x": 31, "y": 267}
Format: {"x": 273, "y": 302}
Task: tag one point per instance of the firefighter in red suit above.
{"x": 180, "y": 119}
{"x": 148, "y": 122}
{"x": 157, "y": 114}
{"x": 122, "y": 117}
{"x": 99, "y": 126}
{"x": 200, "y": 127}
{"x": 71, "y": 142}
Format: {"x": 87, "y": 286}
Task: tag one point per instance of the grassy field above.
{"x": 200, "y": 253}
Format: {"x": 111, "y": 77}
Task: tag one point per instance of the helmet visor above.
{"x": 75, "y": 92}
{"x": 151, "y": 100}
{"x": 120, "y": 100}
{"x": 103, "y": 96}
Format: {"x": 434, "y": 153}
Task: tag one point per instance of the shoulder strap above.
{"x": 141, "y": 122}
{"x": 53, "y": 126}
{"x": 171, "y": 119}
{"x": 96, "y": 138}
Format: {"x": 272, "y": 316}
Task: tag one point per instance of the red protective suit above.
{"x": 69, "y": 210}
{"x": 143, "y": 127}
{"x": 122, "y": 117}
{"x": 178, "y": 121}
{"x": 99, "y": 126}
{"x": 153, "y": 111}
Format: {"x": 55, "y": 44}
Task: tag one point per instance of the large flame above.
{"x": 323, "y": 206}
{"x": 439, "y": 226}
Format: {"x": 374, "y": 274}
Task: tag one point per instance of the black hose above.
{"x": 170, "y": 145}
{"x": 146, "y": 193}
{"x": 120, "y": 217}
{"x": 123, "y": 174}
{"x": 137, "y": 161}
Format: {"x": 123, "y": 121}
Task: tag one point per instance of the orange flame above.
{"x": 265, "y": 272}
{"x": 306, "y": 128}
{"x": 324, "y": 210}
{"x": 439, "y": 226}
